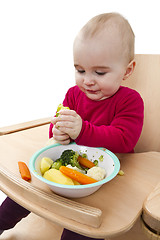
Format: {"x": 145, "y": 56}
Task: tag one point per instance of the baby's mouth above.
{"x": 92, "y": 91}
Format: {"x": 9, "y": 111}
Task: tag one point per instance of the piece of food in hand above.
{"x": 60, "y": 107}
{"x": 56, "y": 176}
{"x": 85, "y": 162}
{"x": 45, "y": 164}
{"x": 97, "y": 173}
{"x": 77, "y": 176}
{"x": 24, "y": 171}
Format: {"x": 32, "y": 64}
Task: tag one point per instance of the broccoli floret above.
{"x": 70, "y": 157}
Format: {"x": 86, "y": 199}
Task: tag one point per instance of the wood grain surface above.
{"x": 120, "y": 200}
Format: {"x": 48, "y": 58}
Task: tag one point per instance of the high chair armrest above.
{"x": 24, "y": 126}
{"x": 45, "y": 204}
{"x": 151, "y": 210}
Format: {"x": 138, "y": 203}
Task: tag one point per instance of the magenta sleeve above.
{"x": 122, "y": 134}
{"x": 50, "y": 130}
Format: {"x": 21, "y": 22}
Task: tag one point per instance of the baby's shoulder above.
{"x": 124, "y": 92}
{"x": 129, "y": 97}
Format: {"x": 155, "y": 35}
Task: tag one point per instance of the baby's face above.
{"x": 99, "y": 65}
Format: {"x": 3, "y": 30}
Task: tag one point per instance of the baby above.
{"x": 102, "y": 112}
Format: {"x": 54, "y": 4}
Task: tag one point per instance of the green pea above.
{"x": 95, "y": 162}
{"x": 84, "y": 155}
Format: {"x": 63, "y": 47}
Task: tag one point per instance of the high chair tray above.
{"x": 112, "y": 210}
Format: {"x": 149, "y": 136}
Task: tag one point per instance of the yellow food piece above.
{"x": 121, "y": 173}
{"x": 56, "y": 176}
{"x": 45, "y": 164}
{"x": 60, "y": 107}
{"x": 75, "y": 182}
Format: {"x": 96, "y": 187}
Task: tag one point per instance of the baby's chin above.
{"x": 100, "y": 95}
{"x": 96, "y": 96}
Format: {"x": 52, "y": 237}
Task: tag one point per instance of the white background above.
{"x": 36, "y": 37}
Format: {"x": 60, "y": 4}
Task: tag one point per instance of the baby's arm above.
{"x": 123, "y": 132}
{"x": 121, "y": 135}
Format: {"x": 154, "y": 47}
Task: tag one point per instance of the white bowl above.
{"x": 110, "y": 163}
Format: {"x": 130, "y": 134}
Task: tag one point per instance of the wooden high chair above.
{"x": 114, "y": 211}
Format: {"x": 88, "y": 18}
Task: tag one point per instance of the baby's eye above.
{"x": 80, "y": 71}
{"x": 100, "y": 73}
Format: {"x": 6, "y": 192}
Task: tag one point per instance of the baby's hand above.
{"x": 60, "y": 136}
{"x": 68, "y": 122}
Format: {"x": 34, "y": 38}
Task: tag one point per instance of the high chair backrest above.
{"x": 146, "y": 80}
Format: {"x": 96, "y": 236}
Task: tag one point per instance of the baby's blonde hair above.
{"x": 112, "y": 20}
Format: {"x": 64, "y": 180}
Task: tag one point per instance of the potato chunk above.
{"x": 56, "y": 176}
{"x": 45, "y": 164}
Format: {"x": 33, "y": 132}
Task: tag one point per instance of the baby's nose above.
{"x": 88, "y": 80}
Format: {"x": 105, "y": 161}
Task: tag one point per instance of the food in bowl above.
{"x": 57, "y": 176}
{"x": 45, "y": 165}
{"x": 109, "y": 162}
{"x": 71, "y": 169}
{"x": 97, "y": 173}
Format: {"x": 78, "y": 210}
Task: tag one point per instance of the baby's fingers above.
{"x": 68, "y": 112}
{"x": 54, "y": 120}
{"x": 60, "y": 136}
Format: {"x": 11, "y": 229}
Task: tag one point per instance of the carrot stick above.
{"x": 24, "y": 171}
{"x": 77, "y": 176}
{"x": 85, "y": 162}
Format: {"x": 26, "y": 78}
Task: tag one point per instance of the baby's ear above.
{"x": 129, "y": 69}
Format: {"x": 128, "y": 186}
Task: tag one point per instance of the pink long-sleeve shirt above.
{"x": 114, "y": 123}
